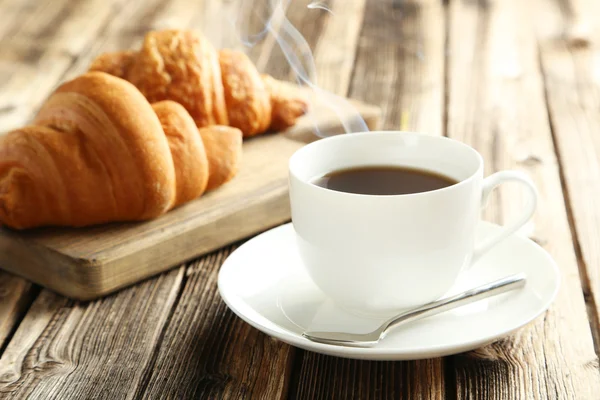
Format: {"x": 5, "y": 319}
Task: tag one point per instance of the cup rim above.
{"x": 343, "y": 136}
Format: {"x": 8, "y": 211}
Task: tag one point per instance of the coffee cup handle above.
{"x": 489, "y": 184}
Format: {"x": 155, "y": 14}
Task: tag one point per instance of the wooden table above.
{"x": 518, "y": 80}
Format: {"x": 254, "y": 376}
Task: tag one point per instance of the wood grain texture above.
{"x": 37, "y": 55}
{"x": 496, "y": 104}
{"x": 569, "y": 60}
{"x": 64, "y": 25}
{"x": 16, "y": 295}
{"x": 87, "y": 263}
{"x": 308, "y": 23}
{"x": 335, "y": 54}
{"x": 227, "y": 23}
{"x": 400, "y": 64}
{"x": 13, "y": 13}
{"x": 55, "y": 41}
{"x": 208, "y": 352}
{"x": 65, "y": 349}
{"x": 324, "y": 377}
{"x": 400, "y": 67}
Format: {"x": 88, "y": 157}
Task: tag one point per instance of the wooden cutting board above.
{"x": 91, "y": 262}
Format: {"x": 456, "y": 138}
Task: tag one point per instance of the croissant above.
{"x": 216, "y": 88}
{"x": 98, "y": 151}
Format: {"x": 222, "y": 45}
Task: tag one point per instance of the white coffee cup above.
{"x": 377, "y": 254}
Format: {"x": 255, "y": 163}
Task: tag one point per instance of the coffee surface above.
{"x": 383, "y": 180}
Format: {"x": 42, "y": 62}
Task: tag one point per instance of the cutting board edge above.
{"x": 90, "y": 279}
{"x": 16, "y": 253}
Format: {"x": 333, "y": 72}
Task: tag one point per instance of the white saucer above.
{"x": 264, "y": 283}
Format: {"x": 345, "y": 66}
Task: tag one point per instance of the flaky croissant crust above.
{"x": 221, "y": 87}
{"x": 121, "y": 142}
{"x": 98, "y": 152}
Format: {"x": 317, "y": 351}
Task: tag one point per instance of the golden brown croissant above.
{"x": 247, "y": 100}
{"x": 183, "y": 68}
{"x": 224, "y": 149}
{"x": 187, "y": 150}
{"x": 286, "y": 104}
{"x": 97, "y": 151}
{"x": 215, "y": 87}
{"x": 116, "y": 63}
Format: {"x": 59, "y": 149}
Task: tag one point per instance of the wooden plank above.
{"x": 207, "y": 352}
{"x": 399, "y": 66}
{"x": 221, "y": 21}
{"x": 16, "y": 295}
{"x": 91, "y": 262}
{"x": 14, "y": 12}
{"x": 336, "y": 54}
{"x": 63, "y": 25}
{"x": 24, "y": 85}
{"x": 14, "y": 360}
{"x": 238, "y": 24}
{"x": 66, "y": 349}
{"x": 309, "y": 24}
{"x": 35, "y": 57}
{"x": 121, "y": 33}
{"x": 173, "y": 14}
{"x": 496, "y": 104}
{"x": 402, "y": 69}
{"x": 324, "y": 377}
{"x": 570, "y": 64}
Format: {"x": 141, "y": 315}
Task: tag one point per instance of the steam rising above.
{"x": 299, "y": 55}
{"x": 319, "y": 4}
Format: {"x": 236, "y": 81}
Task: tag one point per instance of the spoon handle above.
{"x": 470, "y": 296}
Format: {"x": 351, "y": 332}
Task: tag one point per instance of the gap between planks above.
{"x": 294, "y": 369}
{"x": 16, "y": 301}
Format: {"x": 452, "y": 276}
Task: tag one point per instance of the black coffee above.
{"x": 383, "y": 180}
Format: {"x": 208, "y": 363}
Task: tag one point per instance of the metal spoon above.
{"x": 470, "y": 296}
